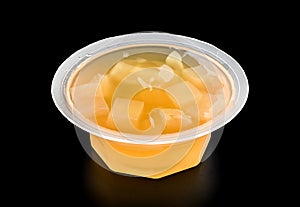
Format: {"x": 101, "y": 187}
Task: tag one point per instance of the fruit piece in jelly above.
{"x": 126, "y": 113}
{"x": 174, "y": 60}
{"x": 88, "y": 101}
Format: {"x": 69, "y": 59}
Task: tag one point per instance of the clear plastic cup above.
{"x": 99, "y": 87}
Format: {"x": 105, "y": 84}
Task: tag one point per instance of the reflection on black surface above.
{"x": 191, "y": 187}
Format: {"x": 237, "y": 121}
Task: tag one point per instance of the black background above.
{"x": 60, "y": 172}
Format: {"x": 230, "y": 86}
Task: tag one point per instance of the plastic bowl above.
{"x": 144, "y": 154}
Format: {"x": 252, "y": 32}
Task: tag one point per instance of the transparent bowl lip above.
{"x": 71, "y": 63}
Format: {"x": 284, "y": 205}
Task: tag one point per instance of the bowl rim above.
{"x": 65, "y": 70}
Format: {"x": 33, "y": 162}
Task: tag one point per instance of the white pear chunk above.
{"x": 174, "y": 60}
{"x": 125, "y": 114}
{"x": 176, "y": 120}
{"x": 184, "y": 93}
{"x": 123, "y": 69}
{"x": 166, "y": 73}
{"x": 193, "y": 77}
{"x": 88, "y": 100}
{"x": 213, "y": 84}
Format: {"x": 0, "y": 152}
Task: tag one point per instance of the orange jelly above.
{"x": 155, "y": 94}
